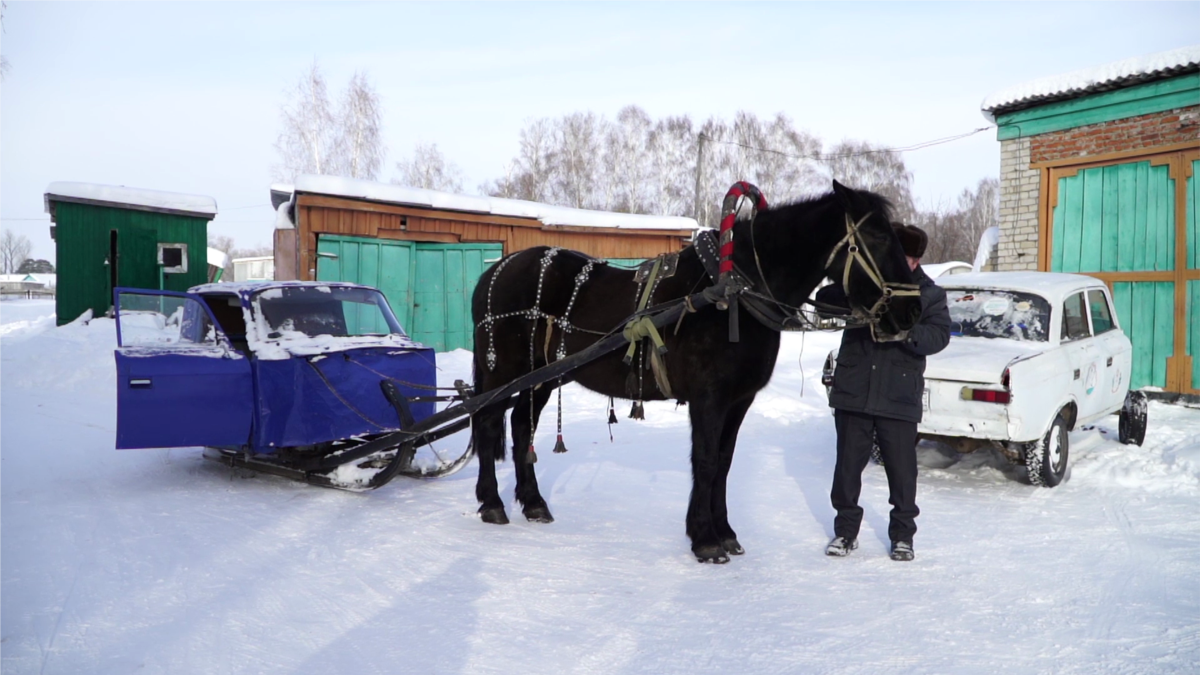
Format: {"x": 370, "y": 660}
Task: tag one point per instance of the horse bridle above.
{"x": 861, "y": 255}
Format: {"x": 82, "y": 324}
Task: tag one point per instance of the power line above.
{"x": 909, "y": 148}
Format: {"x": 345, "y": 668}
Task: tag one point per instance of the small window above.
{"x": 1074, "y": 320}
{"x": 173, "y": 258}
{"x": 1101, "y": 316}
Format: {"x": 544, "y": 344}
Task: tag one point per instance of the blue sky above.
{"x": 185, "y": 97}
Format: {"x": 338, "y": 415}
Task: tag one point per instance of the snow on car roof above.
{"x": 247, "y": 288}
{"x": 119, "y": 195}
{"x": 935, "y": 270}
{"x": 1089, "y": 80}
{"x": 548, "y": 214}
{"x": 1053, "y": 286}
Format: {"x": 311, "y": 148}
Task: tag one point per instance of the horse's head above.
{"x": 869, "y": 262}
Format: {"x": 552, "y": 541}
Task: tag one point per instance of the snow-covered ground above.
{"x": 160, "y": 561}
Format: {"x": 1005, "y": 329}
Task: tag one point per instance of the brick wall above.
{"x": 1144, "y": 131}
{"x": 1019, "y": 185}
{"x": 1017, "y": 249}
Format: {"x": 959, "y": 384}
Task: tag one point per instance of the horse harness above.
{"x": 731, "y": 285}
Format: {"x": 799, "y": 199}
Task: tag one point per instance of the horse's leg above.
{"x": 720, "y": 510}
{"x": 523, "y": 420}
{"x": 708, "y": 421}
{"x": 487, "y": 429}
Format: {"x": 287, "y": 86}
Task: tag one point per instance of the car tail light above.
{"x": 1004, "y": 380}
{"x": 986, "y": 395}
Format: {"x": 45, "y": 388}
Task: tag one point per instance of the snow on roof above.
{"x": 1050, "y": 285}
{"x": 246, "y": 288}
{"x": 119, "y": 195}
{"x": 217, "y": 257}
{"x": 1090, "y": 80}
{"x": 549, "y": 215}
{"x": 935, "y": 270}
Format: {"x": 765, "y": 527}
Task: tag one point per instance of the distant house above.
{"x": 1098, "y": 176}
{"x": 426, "y": 249}
{"x": 26, "y": 285}
{"x": 260, "y": 268}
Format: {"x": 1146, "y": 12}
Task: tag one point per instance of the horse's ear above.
{"x": 844, "y": 194}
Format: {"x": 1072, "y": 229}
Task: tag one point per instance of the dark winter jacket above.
{"x": 887, "y": 378}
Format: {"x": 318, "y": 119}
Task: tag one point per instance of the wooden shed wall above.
{"x": 318, "y": 214}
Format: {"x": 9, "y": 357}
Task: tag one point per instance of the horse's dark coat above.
{"x": 717, "y": 379}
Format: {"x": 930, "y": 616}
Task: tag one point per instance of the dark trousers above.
{"x": 856, "y": 433}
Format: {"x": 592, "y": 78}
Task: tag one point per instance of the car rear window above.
{"x": 1010, "y": 315}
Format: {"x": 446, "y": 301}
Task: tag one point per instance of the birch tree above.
{"x": 429, "y": 169}
{"x": 4, "y": 66}
{"x": 863, "y": 166}
{"x": 316, "y": 139}
{"x": 307, "y": 140}
{"x": 360, "y": 148}
{"x": 14, "y": 249}
{"x": 578, "y": 139}
{"x": 672, "y": 156}
{"x": 625, "y": 167}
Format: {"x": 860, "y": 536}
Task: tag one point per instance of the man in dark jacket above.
{"x": 877, "y": 396}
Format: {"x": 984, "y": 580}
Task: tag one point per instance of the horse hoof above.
{"x": 538, "y": 514}
{"x": 711, "y": 554}
{"x": 732, "y": 547}
{"x": 494, "y": 515}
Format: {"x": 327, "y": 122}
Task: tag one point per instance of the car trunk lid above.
{"x": 974, "y": 359}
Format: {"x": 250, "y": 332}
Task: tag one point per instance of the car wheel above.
{"x": 1131, "y": 427}
{"x": 1046, "y": 459}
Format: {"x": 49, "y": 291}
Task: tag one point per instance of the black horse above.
{"x": 784, "y": 252}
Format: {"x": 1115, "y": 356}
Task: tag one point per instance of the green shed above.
{"x": 107, "y": 236}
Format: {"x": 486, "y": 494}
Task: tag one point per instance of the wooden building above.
{"x": 425, "y": 249}
{"x": 1098, "y": 176}
{"x": 107, "y": 236}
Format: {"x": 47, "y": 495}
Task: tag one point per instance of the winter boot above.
{"x": 902, "y": 550}
{"x": 841, "y": 547}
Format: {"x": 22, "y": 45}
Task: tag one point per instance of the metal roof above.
{"x": 1078, "y": 83}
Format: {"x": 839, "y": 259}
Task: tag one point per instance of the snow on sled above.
{"x": 307, "y": 380}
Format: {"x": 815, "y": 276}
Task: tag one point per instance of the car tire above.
{"x": 1046, "y": 458}
{"x": 1131, "y": 427}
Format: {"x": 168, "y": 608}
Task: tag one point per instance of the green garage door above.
{"x": 1133, "y": 224}
{"x": 428, "y": 285}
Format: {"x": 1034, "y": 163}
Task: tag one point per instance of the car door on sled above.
{"x": 180, "y": 383}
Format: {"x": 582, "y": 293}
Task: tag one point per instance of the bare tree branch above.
{"x": 360, "y": 147}
{"x": 430, "y": 170}
{"x": 14, "y": 249}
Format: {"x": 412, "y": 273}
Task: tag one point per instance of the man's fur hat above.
{"x": 912, "y": 238}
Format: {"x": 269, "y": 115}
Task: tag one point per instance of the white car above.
{"x": 1032, "y": 355}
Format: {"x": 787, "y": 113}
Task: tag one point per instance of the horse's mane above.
{"x": 865, "y": 201}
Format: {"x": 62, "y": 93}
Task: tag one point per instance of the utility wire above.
{"x": 917, "y": 146}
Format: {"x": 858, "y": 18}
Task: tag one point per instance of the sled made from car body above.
{"x": 289, "y": 377}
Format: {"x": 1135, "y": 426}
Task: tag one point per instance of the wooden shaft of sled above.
{"x": 428, "y": 428}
